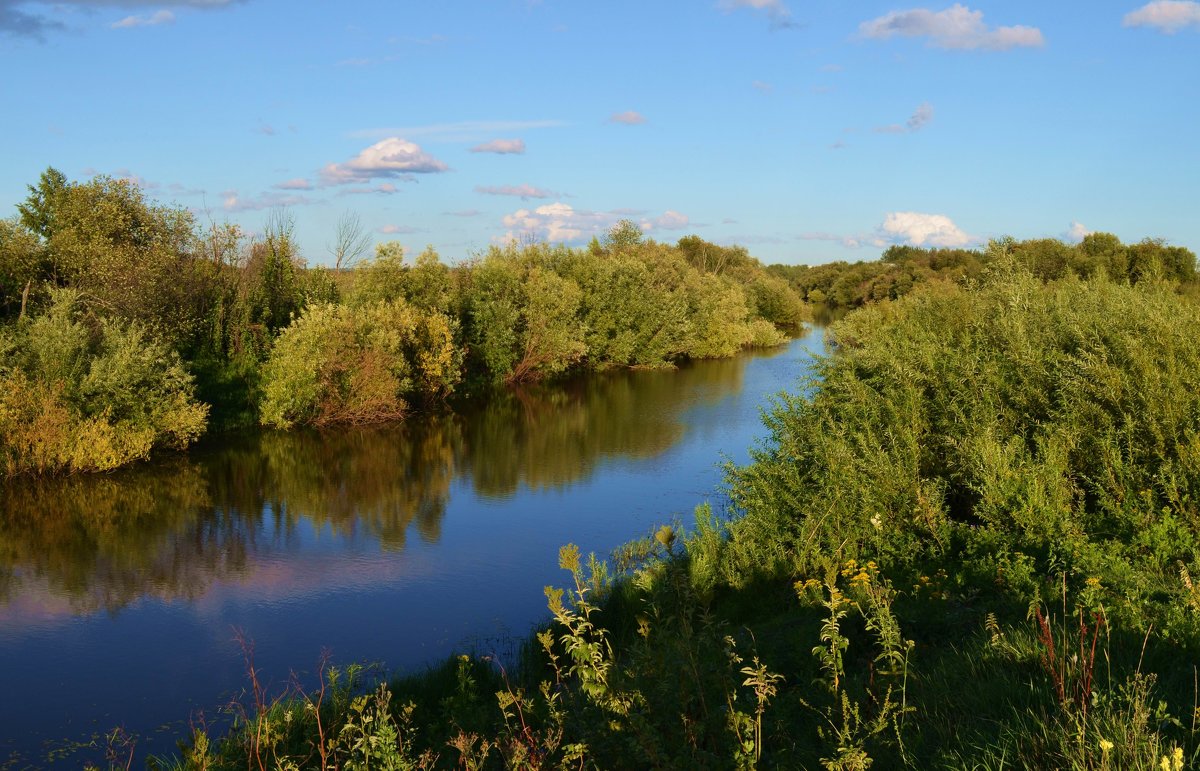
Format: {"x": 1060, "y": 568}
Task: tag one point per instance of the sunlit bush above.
{"x": 522, "y": 316}
{"x": 1020, "y": 427}
{"x": 337, "y": 364}
{"x": 80, "y": 394}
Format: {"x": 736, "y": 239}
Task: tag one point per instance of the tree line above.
{"x": 127, "y": 325}
{"x": 902, "y": 268}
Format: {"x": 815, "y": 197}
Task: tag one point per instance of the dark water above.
{"x": 121, "y": 596}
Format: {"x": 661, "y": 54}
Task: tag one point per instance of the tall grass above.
{"x": 968, "y": 543}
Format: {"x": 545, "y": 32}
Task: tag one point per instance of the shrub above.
{"x": 1055, "y": 423}
{"x": 80, "y": 394}
{"x": 337, "y": 364}
{"x": 523, "y": 318}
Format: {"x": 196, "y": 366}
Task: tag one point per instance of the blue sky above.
{"x": 807, "y": 131}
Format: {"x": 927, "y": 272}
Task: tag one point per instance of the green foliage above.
{"x": 22, "y": 266}
{"x": 1055, "y": 423}
{"x": 629, "y": 302}
{"x": 995, "y": 448}
{"x": 81, "y": 394}
{"x": 516, "y": 315}
{"x": 274, "y": 294}
{"x": 902, "y": 268}
{"x": 130, "y": 258}
{"x": 633, "y": 314}
{"x": 338, "y": 364}
{"x": 522, "y": 318}
{"x": 383, "y": 278}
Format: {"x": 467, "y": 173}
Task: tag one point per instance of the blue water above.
{"x": 121, "y": 597}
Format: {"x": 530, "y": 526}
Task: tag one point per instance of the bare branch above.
{"x": 350, "y": 241}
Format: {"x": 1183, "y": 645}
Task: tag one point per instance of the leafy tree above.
{"x": 622, "y": 237}
{"x": 22, "y": 267}
{"x": 128, "y": 257}
{"x": 632, "y": 315}
{"x": 382, "y": 278}
{"x": 337, "y": 364}
{"x": 522, "y": 318}
{"x": 79, "y": 393}
{"x": 38, "y": 210}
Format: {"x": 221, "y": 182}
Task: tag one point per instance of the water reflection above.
{"x": 171, "y": 529}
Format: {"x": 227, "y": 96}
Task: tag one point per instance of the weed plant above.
{"x": 969, "y": 542}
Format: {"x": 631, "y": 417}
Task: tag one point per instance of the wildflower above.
{"x": 1105, "y": 745}
{"x": 1174, "y": 762}
{"x": 804, "y": 586}
{"x": 1093, "y": 582}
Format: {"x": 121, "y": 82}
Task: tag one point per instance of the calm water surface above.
{"x": 121, "y": 596}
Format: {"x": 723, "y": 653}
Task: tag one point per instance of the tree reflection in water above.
{"x": 172, "y": 528}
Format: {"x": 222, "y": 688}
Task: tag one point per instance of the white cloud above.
{"x": 957, "y": 27}
{"x": 917, "y": 121}
{"x": 294, "y": 184}
{"x": 1167, "y": 16}
{"x": 670, "y": 220}
{"x": 629, "y": 118}
{"x": 520, "y": 191}
{"x": 552, "y": 222}
{"x": 917, "y": 229}
{"x": 776, "y": 10}
{"x": 501, "y": 147}
{"x": 233, "y": 202}
{"x": 156, "y": 18}
{"x": 122, "y": 174}
{"x": 383, "y": 188}
{"x": 17, "y": 22}
{"x": 850, "y": 241}
{"x": 177, "y": 188}
{"x": 391, "y": 157}
{"x": 401, "y": 230}
{"x": 920, "y": 117}
{"x": 1076, "y": 232}
{"x": 559, "y": 222}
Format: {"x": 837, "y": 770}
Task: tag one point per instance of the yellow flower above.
{"x": 1105, "y": 745}
{"x": 1093, "y": 582}
{"x": 1174, "y": 762}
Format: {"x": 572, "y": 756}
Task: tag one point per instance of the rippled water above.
{"x": 121, "y": 596}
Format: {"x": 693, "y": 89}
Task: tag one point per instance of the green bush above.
{"x": 1056, "y": 426}
{"x": 522, "y": 318}
{"x": 337, "y": 364}
{"x": 81, "y": 394}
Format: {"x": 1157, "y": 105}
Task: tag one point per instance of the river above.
{"x": 121, "y": 596}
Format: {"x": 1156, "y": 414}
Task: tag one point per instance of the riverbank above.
{"x": 394, "y": 544}
{"x": 993, "y": 487}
